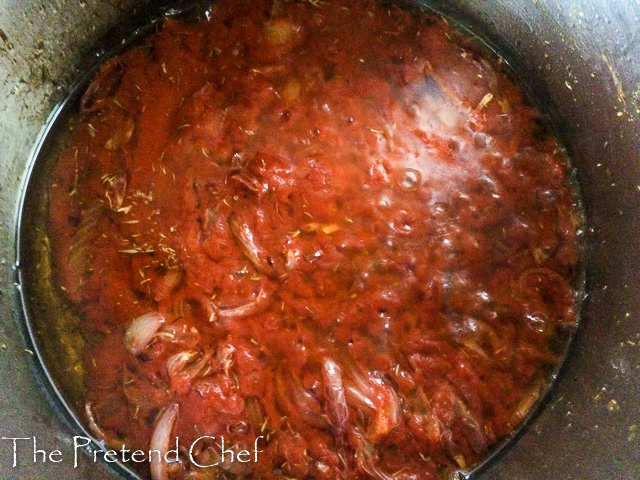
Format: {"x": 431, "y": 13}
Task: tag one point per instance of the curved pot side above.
{"x": 581, "y": 59}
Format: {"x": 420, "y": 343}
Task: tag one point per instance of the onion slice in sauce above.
{"x": 188, "y": 364}
{"x": 141, "y": 330}
{"x": 365, "y": 457}
{"x": 249, "y": 308}
{"x": 97, "y": 431}
{"x": 297, "y": 402}
{"x": 338, "y": 410}
{"x": 245, "y": 239}
{"x": 93, "y": 425}
{"x": 160, "y": 442}
{"x": 373, "y": 396}
{"x": 388, "y": 413}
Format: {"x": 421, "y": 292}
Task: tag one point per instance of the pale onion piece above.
{"x": 239, "y": 311}
{"x": 179, "y": 332}
{"x": 250, "y": 181}
{"x": 141, "y": 331}
{"x": 326, "y": 228}
{"x": 93, "y": 425}
{"x": 249, "y": 308}
{"x": 295, "y": 401}
{"x": 374, "y": 397}
{"x": 246, "y": 241}
{"x": 169, "y": 282}
{"x": 358, "y": 387}
{"x": 388, "y": 414}
{"x": 225, "y": 356}
{"x": 188, "y": 365}
{"x": 365, "y": 457}
{"x": 100, "y": 434}
{"x": 160, "y": 440}
{"x": 464, "y": 421}
{"x": 103, "y": 86}
{"x": 359, "y": 399}
{"x": 176, "y": 363}
{"x": 338, "y": 411}
{"x": 330, "y": 228}
{"x": 292, "y": 259}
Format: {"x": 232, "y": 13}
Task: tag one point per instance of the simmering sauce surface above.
{"x": 336, "y": 226}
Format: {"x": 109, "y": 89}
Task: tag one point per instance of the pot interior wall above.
{"x": 579, "y": 56}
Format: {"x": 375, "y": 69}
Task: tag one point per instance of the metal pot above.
{"x": 580, "y": 58}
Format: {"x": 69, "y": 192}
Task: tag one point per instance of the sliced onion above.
{"x": 388, "y": 414}
{"x": 225, "y": 356}
{"x": 463, "y": 421}
{"x": 250, "y": 181}
{"x": 365, "y": 457}
{"x": 475, "y": 434}
{"x": 249, "y": 308}
{"x": 188, "y": 364}
{"x": 246, "y": 241}
{"x": 160, "y": 440}
{"x": 337, "y": 402}
{"x": 181, "y": 333}
{"x": 358, "y": 392}
{"x": 100, "y": 434}
{"x": 141, "y": 331}
{"x": 93, "y": 425}
{"x": 295, "y": 401}
{"x": 374, "y": 397}
{"x": 168, "y": 283}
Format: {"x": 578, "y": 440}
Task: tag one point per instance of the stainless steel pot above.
{"x": 580, "y": 57}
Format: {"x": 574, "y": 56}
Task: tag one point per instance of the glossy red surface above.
{"x": 337, "y": 227}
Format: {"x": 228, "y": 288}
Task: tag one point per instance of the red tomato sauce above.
{"x": 338, "y": 227}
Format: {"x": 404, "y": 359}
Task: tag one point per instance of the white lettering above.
{"x": 110, "y": 456}
{"x": 124, "y": 452}
{"x": 36, "y": 452}
{"x": 193, "y": 445}
{"x": 225, "y": 451}
{"x": 56, "y": 453}
{"x": 138, "y": 453}
{"x": 77, "y": 446}
{"x": 244, "y": 453}
{"x": 255, "y": 448}
{"x": 175, "y": 452}
{"x": 15, "y": 448}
